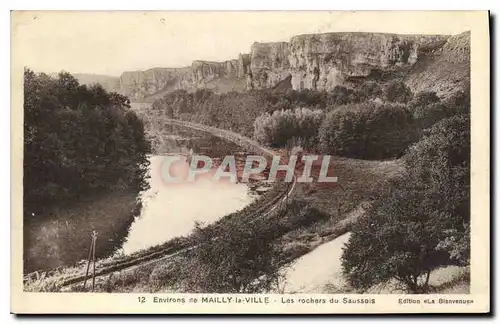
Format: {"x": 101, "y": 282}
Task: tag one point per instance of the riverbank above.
{"x": 54, "y": 280}
{"x": 62, "y": 236}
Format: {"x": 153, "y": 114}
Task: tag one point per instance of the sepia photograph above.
{"x": 256, "y": 158}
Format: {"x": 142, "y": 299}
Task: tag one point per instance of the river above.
{"x": 168, "y": 210}
{"x": 319, "y": 271}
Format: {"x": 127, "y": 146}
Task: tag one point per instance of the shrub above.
{"x": 440, "y": 162}
{"x": 428, "y": 109}
{"x": 369, "y": 90}
{"x": 368, "y": 131}
{"x": 278, "y": 128}
{"x": 459, "y": 102}
{"x": 297, "y": 214}
{"x": 397, "y": 91}
{"x": 238, "y": 259}
{"x": 164, "y": 275}
{"x": 427, "y": 115}
{"x": 424, "y": 98}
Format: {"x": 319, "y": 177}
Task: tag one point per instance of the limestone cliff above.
{"x": 218, "y": 76}
{"x": 315, "y": 61}
{"x": 269, "y": 64}
{"x": 322, "y": 61}
{"x": 141, "y": 84}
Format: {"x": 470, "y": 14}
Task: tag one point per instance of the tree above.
{"x": 237, "y": 259}
{"x": 440, "y": 162}
{"x": 78, "y": 140}
{"x": 412, "y": 229}
{"x": 367, "y": 130}
{"x": 278, "y": 128}
{"x": 396, "y": 241}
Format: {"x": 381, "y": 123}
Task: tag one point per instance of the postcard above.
{"x": 263, "y": 162}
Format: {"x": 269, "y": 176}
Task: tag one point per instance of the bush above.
{"x": 427, "y": 115}
{"x": 278, "y": 128}
{"x": 397, "y": 91}
{"x": 424, "y": 98}
{"x": 459, "y": 102}
{"x": 164, "y": 275}
{"x": 297, "y": 214}
{"x": 369, "y": 90}
{"x": 367, "y": 131}
{"x": 237, "y": 259}
{"x": 440, "y": 162}
{"x": 428, "y": 109}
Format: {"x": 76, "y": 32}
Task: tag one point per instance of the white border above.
{"x": 186, "y": 5}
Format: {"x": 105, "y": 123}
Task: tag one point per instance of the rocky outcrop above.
{"x": 315, "y": 61}
{"x": 269, "y": 64}
{"x": 141, "y": 84}
{"x": 322, "y": 61}
{"x": 201, "y": 74}
{"x": 243, "y": 65}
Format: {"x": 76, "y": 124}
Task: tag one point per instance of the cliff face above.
{"x": 269, "y": 64}
{"x": 320, "y": 62}
{"x": 141, "y": 84}
{"x": 316, "y": 61}
{"x": 219, "y": 76}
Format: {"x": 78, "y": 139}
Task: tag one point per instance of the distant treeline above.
{"x": 78, "y": 140}
{"x": 371, "y": 121}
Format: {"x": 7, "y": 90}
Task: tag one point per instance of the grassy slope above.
{"x": 446, "y": 70}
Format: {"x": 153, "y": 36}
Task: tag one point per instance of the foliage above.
{"x": 237, "y": 259}
{"x": 411, "y": 229}
{"x": 367, "y": 130}
{"x": 459, "y": 102}
{"x": 238, "y": 111}
{"x": 428, "y": 109}
{"x": 397, "y": 240}
{"x": 278, "y": 128}
{"x": 424, "y": 98}
{"x": 397, "y": 91}
{"x": 369, "y": 90}
{"x": 440, "y": 162}
{"x": 78, "y": 139}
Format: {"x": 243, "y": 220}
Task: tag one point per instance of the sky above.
{"x": 113, "y": 42}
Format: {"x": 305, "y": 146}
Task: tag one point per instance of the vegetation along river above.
{"x": 168, "y": 210}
